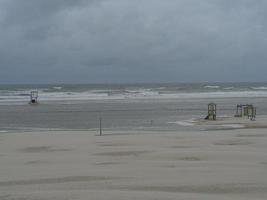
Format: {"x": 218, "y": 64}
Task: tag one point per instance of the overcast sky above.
{"x": 118, "y": 41}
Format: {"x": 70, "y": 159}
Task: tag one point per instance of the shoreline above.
{"x": 189, "y": 125}
{"x": 123, "y": 100}
{"x": 121, "y": 114}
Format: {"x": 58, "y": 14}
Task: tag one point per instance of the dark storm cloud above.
{"x": 132, "y": 40}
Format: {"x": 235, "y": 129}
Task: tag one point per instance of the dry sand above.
{"x": 202, "y": 165}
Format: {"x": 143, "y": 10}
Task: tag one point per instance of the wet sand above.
{"x": 214, "y": 164}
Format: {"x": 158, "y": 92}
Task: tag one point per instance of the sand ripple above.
{"x": 204, "y": 189}
{"x": 55, "y": 180}
{"x": 122, "y": 153}
{"x": 38, "y": 149}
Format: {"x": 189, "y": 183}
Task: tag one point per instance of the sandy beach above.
{"x": 221, "y": 164}
{"x": 133, "y": 100}
{"x": 149, "y": 150}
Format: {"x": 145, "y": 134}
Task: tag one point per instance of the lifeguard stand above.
{"x": 239, "y": 110}
{"x": 34, "y": 97}
{"x": 247, "y": 110}
{"x": 212, "y": 111}
{"x": 253, "y": 114}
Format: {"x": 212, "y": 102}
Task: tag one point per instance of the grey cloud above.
{"x": 132, "y": 40}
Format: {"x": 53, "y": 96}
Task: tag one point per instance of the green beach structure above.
{"x": 212, "y": 111}
{"x": 246, "y": 110}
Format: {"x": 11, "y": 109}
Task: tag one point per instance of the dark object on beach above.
{"x": 100, "y": 126}
{"x": 33, "y": 97}
{"x": 212, "y": 111}
{"x": 247, "y": 110}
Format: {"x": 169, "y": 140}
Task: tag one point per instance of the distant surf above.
{"x": 57, "y": 87}
{"x": 259, "y": 88}
{"x": 212, "y": 86}
{"x": 12, "y": 94}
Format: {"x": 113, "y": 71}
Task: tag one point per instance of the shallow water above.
{"x": 144, "y": 114}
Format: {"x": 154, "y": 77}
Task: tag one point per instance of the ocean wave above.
{"x": 228, "y": 88}
{"x": 212, "y": 86}
{"x": 2, "y": 131}
{"x": 140, "y": 93}
{"x": 20, "y": 96}
{"x": 259, "y": 88}
{"x": 57, "y": 87}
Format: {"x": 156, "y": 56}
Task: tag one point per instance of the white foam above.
{"x": 57, "y": 87}
{"x": 72, "y": 96}
{"x": 3, "y": 131}
{"x": 142, "y": 92}
{"x": 129, "y": 94}
{"x": 212, "y": 86}
{"x": 228, "y": 88}
{"x": 259, "y": 88}
{"x": 233, "y": 125}
{"x": 183, "y": 123}
{"x": 227, "y": 94}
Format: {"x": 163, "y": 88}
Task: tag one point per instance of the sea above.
{"x": 156, "y": 107}
{"x": 20, "y": 94}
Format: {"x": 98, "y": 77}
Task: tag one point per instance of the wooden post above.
{"x": 100, "y": 126}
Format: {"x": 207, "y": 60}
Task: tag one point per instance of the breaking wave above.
{"x": 105, "y": 92}
{"x": 259, "y": 88}
{"x": 212, "y": 86}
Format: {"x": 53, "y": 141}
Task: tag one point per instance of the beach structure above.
{"x": 212, "y": 111}
{"x": 239, "y": 108}
{"x": 247, "y": 110}
{"x": 100, "y": 126}
{"x": 253, "y": 115}
{"x": 33, "y": 97}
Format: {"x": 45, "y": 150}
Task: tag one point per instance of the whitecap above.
{"x": 259, "y": 88}
{"x": 57, "y": 87}
{"x": 212, "y": 87}
{"x": 228, "y": 88}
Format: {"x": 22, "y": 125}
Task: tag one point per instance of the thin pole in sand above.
{"x": 100, "y": 126}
